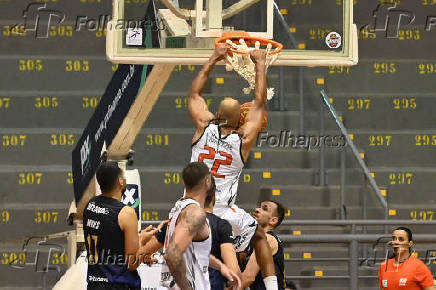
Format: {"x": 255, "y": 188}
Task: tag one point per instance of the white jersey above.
{"x": 222, "y": 154}
{"x": 196, "y": 255}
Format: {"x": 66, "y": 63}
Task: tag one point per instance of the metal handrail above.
{"x": 348, "y": 238}
{"x": 353, "y": 240}
{"x": 357, "y": 222}
{"x": 355, "y": 152}
{"x": 339, "y": 222}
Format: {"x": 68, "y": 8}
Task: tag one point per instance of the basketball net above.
{"x": 245, "y": 67}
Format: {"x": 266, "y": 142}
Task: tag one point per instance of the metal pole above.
{"x": 354, "y": 150}
{"x": 322, "y": 151}
{"x": 386, "y": 212}
{"x": 365, "y": 208}
{"x": 342, "y": 197}
{"x": 354, "y": 260}
{"x": 364, "y": 204}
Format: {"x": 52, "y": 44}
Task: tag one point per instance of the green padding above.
{"x": 148, "y": 44}
{"x": 175, "y": 42}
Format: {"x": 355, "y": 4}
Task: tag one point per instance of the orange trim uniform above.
{"x": 413, "y": 274}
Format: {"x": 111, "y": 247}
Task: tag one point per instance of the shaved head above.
{"x": 229, "y": 110}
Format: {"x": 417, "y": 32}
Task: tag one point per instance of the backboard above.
{"x": 313, "y": 32}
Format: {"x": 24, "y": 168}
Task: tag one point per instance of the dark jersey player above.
{"x": 222, "y": 243}
{"x": 111, "y": 234}
{"x": 269, "y": 216}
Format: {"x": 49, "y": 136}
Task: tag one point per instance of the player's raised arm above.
{"x": 255, "y": 115}
{"x": 197, "y": 106}
{"x": 191, "y": 224}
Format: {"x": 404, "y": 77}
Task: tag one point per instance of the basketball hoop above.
{"x": 238, "y": 58}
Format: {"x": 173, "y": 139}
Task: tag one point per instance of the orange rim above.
{"x": 234, "y": 36}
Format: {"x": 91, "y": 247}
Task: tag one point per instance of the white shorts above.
{"x": 243, "y": 224}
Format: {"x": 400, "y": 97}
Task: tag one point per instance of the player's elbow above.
{"x": 170, "y": 258}
{"x": 260, "y": 102}
{"x": 194, "y": 95}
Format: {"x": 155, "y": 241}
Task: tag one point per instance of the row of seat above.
{"x": 363, "y": 111}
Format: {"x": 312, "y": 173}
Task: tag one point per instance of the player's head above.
{"x": 269, "y": 213}
{"x": 196, "y": 177}
{"x": 229, "y": 112}
{"x": 209, "y": 203}
{"x": 111, "y": 178}
{"x": 402, "y": 240}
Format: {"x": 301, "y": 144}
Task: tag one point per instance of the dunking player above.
{"x": 223, "y": 146}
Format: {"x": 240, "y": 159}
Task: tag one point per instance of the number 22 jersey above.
{"x": 223, "y": 156}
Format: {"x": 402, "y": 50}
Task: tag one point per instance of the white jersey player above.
{"x": 222, "y": 154}
{"x": 196, "y": 256}
{"x": 188, "y": 239}
{"x": 224, "y": 147}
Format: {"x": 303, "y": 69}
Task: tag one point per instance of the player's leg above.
{"x": 263, "y": 253}
{"x": 247, "y": 233}
{"x": 256, "y": 238}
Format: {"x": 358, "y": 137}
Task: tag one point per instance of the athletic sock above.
{"x": 271, "y": 283}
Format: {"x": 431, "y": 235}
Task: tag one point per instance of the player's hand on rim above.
{"x": 258, "y": 56}
{"x": 221, "y": 51}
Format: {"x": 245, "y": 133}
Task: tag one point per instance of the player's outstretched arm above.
{"x": 149, "y": 243}
{"x": 190, "y": 225}
{"x": 255, "y": 115}
{"x": 197, "y": 106}
{"x": 228, "y": 252}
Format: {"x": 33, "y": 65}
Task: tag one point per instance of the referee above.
{"x": 111, "y": 234}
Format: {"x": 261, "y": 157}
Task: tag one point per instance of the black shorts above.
{"x": 216, "y": 280}
{"x": 105, "y": 285}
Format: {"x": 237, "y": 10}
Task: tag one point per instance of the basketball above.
{"x": 244, "y": 111}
